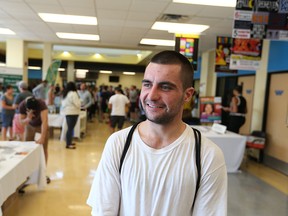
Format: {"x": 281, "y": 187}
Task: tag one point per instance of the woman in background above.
{"x": 237, "y": 110}
{"x": 8, "y": 112}
{"x": 71, "y": 109}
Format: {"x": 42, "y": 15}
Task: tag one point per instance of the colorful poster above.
{"x": 188, "y": 47}
{"x": 210, "y": 109}
{"x": 223, "y": 52}
{"x": 246, "y": 54}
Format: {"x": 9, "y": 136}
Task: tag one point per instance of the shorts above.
{"x": 18, "y": 128}
{"x": 7, "y": 120}
{"x": 117, "y": 120}
{"x": 133, "y": 106}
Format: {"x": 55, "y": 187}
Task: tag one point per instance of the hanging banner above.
{"x": 53, "y": 71}
{"x": 246, "y": 54}
{"x": 223, "y": 53}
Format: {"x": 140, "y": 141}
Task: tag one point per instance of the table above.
{"x": 232, "y": 145}
{"x": 58, "y": 120}
{"x": 19, "y": 160}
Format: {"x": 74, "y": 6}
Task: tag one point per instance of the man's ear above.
{"x": 188, "y": 94}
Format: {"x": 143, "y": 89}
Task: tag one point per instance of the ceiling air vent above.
{"x": 173, "y": 18}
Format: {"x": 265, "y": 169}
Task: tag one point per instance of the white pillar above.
{"x": 17, "y": 57}
{"x": 47, "y": 59}
{"x": 208, "y": 76}
{"x": 260, "y": 89}
{"x": 70, "y": 71}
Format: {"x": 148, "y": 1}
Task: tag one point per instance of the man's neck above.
{"x": 159, "y": 136}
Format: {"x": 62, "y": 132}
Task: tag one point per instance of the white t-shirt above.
{"x": 118, "y": 102}
{"x": 159, "y": 181}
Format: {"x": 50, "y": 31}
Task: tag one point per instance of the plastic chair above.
{"x": 255, "y": 145}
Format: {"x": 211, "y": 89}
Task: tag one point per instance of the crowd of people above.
{"x": 95, "y": 100}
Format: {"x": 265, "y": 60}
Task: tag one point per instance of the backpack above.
{"x": 197, "y": 135}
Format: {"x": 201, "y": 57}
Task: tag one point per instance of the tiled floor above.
{"x": 71, "y": 172}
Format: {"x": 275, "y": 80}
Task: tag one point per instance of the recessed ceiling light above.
{"x": 68, "y": 19}
{"x": 74, "y": 36}
{"x": 6, "y": 31}
{"x": 220, "y": 3}
{"x": 157, "y": 42}
{"x": 179, "y": 27}
{"x": 129, "y": 73}
{"x": 105, "y": 72}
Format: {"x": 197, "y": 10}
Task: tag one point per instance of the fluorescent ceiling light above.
{"x": 129, "y": 73}
{"x": 6, "y": 31}
{"x": 179, "y": 27}
{"x": 220, "y": 3}
{"x": 68, "y": 19}
{"x": 82, "y": 70}
{"x": 61, "y": 69}
{"x": 105, "y": 72}
{"x": 81, "y": 73}
{"x": 34, "y": 68}
{"x": 74, "y": 36}
{"x": 157, "y": 42}
{"x": 2, "y": 64}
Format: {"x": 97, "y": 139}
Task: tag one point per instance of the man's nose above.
{"x": 154, "y": 93}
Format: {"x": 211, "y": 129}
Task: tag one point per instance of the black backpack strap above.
{"x": 127, "y": 144}
{"x": 197, "y": 135}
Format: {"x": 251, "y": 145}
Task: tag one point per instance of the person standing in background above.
{"x": 18, "y": 128}
{"x": 50, "y": 95}
{"x": 71, "y": 109}
{"x": 40, "y": 91}
{"x": 8, "y": 112}
{"x": 85, "y": 98}
{"x": 133, "y": 96}
{"x": 117, "y": 104}
{"x": 237, "y": 110}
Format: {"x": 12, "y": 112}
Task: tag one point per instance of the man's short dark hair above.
{"x": 173, "y": 57}
{"x": 31, "y": 103}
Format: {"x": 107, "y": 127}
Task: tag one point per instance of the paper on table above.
{"x": 37, "y": 136}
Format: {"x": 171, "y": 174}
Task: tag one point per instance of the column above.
{"x": 70, "y": 71}
{"x": 260, "y": 89}
{"x": 17, "y": 58}
{"x": 47, "y": 59}
{"x": 208, "y": 76}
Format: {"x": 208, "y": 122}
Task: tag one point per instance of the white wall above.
{"x": 124, "y": 80}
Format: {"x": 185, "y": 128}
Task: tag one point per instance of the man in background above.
{"x": 117, "y": 104}
{"x": 18, "y": 128}
{"x": 40, "y": 91}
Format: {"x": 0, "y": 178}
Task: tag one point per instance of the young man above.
{"x": 159, "y": 174}
{"x": 117, "y": 104}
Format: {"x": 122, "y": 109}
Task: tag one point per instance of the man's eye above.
{"x": 146, "y": 85}
{"x": 166, "y": 87}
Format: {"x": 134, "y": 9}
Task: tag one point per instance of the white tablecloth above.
{"x": 58, "y": 120}
{"x": 232, "y": 144}
{"x": 19, "y": 160}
